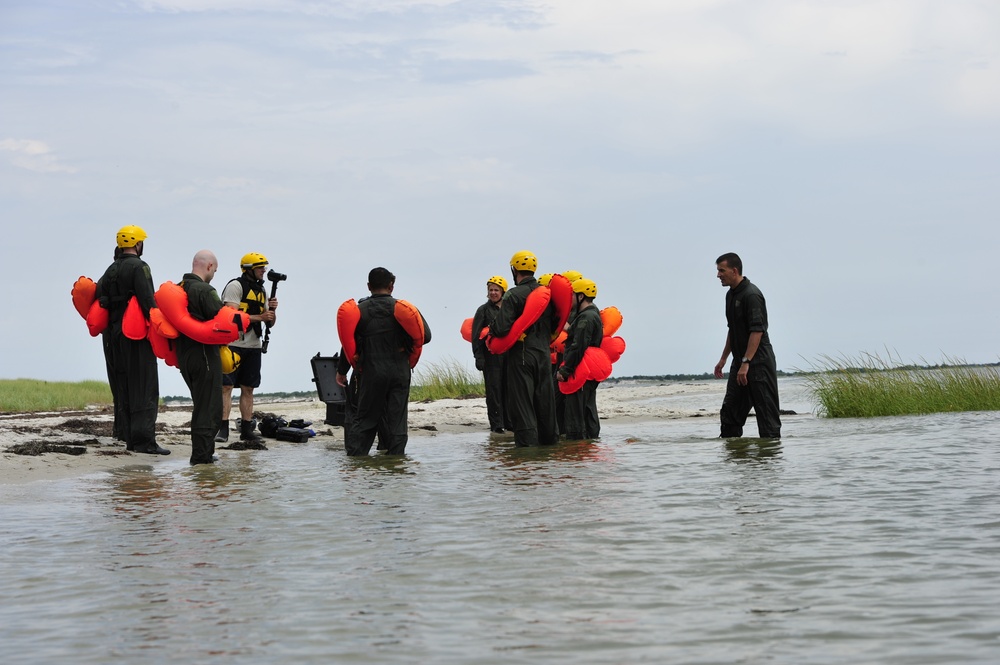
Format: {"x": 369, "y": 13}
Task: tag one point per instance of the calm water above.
{"x": 874, "y": 541}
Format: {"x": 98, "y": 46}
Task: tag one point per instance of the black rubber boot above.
{"x": 247, "y": 433}
{"x": 223, "y": 434}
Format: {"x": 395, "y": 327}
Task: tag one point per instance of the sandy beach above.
{"x": 90, "y": 430}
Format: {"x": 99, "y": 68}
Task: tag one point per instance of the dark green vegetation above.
{"x": 30, "y": 395}
{"x": 447, "y": 379}
{"x": 871, "y": 386}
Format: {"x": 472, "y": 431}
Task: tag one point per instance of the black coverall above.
{"x": 528, "y": 369}
{"x": 137, "y": 387}
{"x": 383, "y": 378}
{"x": 746, "y": 312}
{"x": 351, "y": 395}
{"x": 201, "y": 368}
{"x": 582, "y": 421}
{"x": 491, "y": 365}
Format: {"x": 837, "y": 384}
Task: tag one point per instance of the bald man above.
{"x": 199, "y": 363}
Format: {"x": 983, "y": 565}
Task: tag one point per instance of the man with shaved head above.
{"x": 199, "y": 363}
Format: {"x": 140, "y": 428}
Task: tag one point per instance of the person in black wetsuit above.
{"x": 382, "y": 371}
{"x": 491, "y": 365}
{"x": 582, "y": 421}
{"x": 530, "y": 397}
{"x": 200, "y": 364}
{"x": 753, "y": 374}
{"x": 136, "y": 381}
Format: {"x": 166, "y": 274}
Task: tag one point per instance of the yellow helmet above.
{"x": 585, "y": 286}
{"x": 253, "y": 260}
{"x": 230, "y": 359}
{"x": 572, "y": 275}
{"x": 499, "y": 281}
{"x": 130, "y": 236}
{"x": 524, "y": 261}
{"x": 545, "y": 279}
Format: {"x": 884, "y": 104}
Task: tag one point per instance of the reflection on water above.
{"x": 752, "y": 450}
{"x": 844, "y": 542}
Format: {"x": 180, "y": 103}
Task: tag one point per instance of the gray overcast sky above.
{"x": 848, "y": 150}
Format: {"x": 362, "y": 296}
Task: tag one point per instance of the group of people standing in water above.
{"x": 214, "y": 341}
{"x": 514, "y": 341}
{"x": 521, "y": 383}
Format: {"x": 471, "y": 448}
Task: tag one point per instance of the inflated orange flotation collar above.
{"x": 84, "y": 294}
{"x": 612, "y": 320}
{"x": 562, "y": 298}
{"x": 348, "y": 316}
{"x": 597, "y": 360}
{"x": 594, "y": 366}
{"x": 225, "y": 327}
{"x": 534, "y": 306}
{"x": 134, "y": 323}
{"x": 408, "y": 316}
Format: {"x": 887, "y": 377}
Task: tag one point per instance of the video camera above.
{"x": 275, "y": 277}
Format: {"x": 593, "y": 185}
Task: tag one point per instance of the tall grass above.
{"x": 871, "y": 386}
{"x": 29, "y": 395}
{"x": 446, "y": 379}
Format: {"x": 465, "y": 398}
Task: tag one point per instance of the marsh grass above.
{"x": 443, "y": 380}
{"x": 871, "y": 386}
{"x": 30, "y": 395}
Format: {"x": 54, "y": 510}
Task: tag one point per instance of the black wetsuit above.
{"x": 136, "y": 381}
{"x": 746, "y": 312}
{"x": 201, "y": 368}
{"x": 582, "y": 421}
{"x": 382, "y": 376}
{"x": 528, "y": 369}
{"x": 491, "y": 365}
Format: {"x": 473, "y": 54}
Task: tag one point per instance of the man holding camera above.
{"x": 246, "y": 293}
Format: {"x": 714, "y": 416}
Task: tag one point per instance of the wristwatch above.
{"x": 745, "y": 360}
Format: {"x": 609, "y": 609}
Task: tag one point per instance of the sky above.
{"x": 848, "y": 150}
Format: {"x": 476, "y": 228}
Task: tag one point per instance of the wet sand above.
{"x": 90, "y": 431}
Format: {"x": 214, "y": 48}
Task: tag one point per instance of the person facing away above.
{"x": 492, "y": 366}
{"x": 200, "y": 364}
{"x": 753, "y": 374}
{"x": 582, "y": 421}
{"x": 246, "y": 293}
{"x": 382, "y": 371}
{"x": 528, "y": 364}
{"x": 136, "y": 381}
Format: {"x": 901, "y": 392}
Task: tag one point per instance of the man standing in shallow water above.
{"x": 753, "y": 374}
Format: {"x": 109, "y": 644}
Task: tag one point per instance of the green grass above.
{"x": 447, "y": 379}
{"x": 30, "y": 395}
{"x": 871, "y": 386}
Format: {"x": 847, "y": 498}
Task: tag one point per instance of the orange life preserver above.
{"x": 97, "y": 319}
{"x": 85, "y": 302}
{"x": 467, "y": 330}
{"x": 534, "y": 306}
{"x": 562, "y": 298}
{"x": 612, "y": 320}
{"x": 134, "y": 323}
{"x": 348, "y": 316}
{"x": 594, "y": 366}
{"x": 409, "y": 317}
{"x": 558, "y": 345}
{"x": 225, "y": 327}
{"x": 83, "y": 293}
{"x": 614, "y": 347}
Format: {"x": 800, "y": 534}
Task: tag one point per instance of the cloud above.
{"x": 34, "y": 156}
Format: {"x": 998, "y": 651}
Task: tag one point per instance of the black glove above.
{"x": 480, "y": 364}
